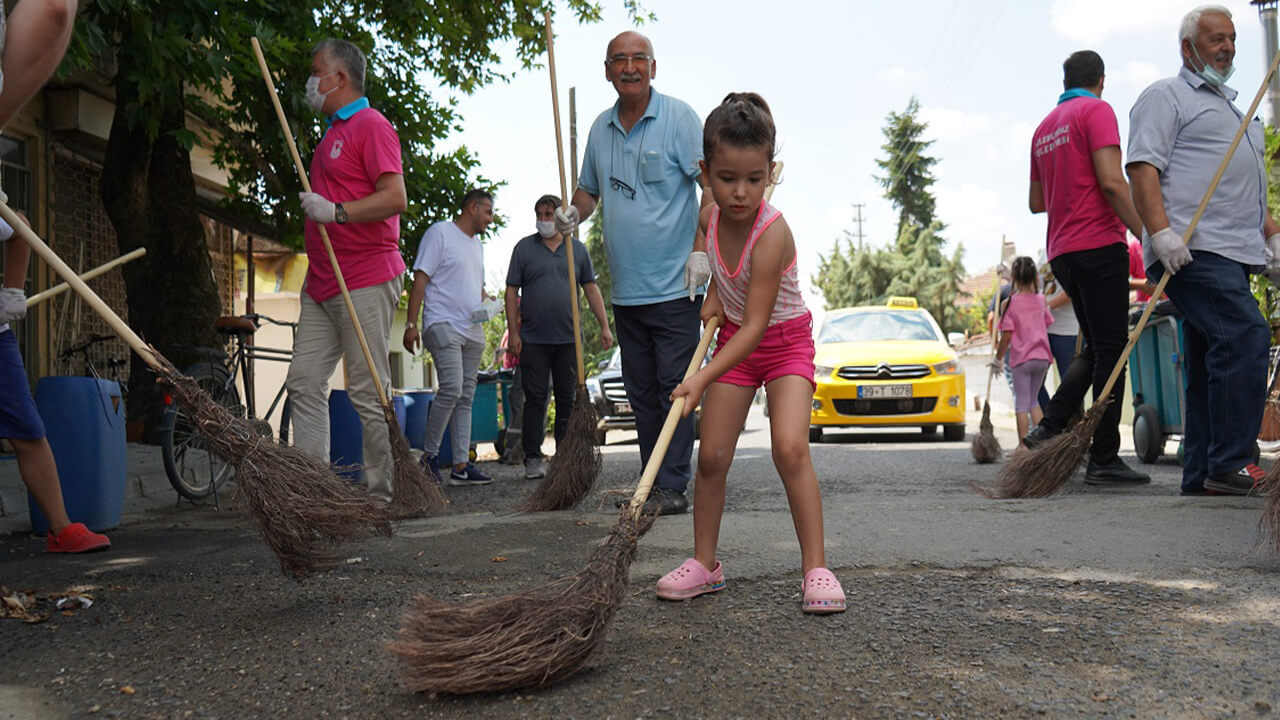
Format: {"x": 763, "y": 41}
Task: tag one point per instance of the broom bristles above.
{"x": 1269, "y": 523}
{"x": 302, "y": 509}
{"x": 413, "y": 494}
{"x": 985, "y": 448}
{"x": 576, "y": 465}
{"x": 1043, "y": 470}
{"x": 530, "y": 639}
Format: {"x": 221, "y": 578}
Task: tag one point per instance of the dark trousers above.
{"x": 1063, "y": 348}
{"x": 657, "y": 342}
{"x": 537, "y": 362}
{"x": 1098, "y": 282}
{"x": 1225, "y": 347}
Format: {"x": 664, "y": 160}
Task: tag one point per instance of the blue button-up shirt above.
{"x": 646, "y": 180}
{"x": 1183, "y": 126}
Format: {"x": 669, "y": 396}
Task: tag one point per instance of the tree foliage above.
{"x": 907, "y": 170}
{"x": 913, "y": 263}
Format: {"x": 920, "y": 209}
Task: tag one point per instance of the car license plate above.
{"x": 884, "y": 391}
{"x": 622, "y": 408}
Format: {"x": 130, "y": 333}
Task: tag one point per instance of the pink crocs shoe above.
{"x": 691, "y": 579}
{"x": 822, "y": 592}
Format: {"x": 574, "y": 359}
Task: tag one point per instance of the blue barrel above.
{"x": 417, "y": 404}
{"x": 84, "y": 420}
{"x": 346, "y": 439}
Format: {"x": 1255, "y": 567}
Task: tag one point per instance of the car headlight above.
{"x": 822, "y": 371}
{"x": 950, "y": 367}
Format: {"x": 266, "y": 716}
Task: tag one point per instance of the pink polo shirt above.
{"x": 353, "y": 154}
{"x": 1062, "y": 162}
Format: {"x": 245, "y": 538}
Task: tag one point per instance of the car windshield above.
{"x": 877, "y": 325}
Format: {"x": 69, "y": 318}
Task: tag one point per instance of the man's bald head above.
{"x": 626, "y": 38}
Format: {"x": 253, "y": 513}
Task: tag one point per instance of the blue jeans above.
{"x": 1225, "y": 349}
{"x": 657, "y": 341}
{"x": 1063, "y": 348}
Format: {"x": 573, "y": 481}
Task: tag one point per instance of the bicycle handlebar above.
{"x": 84, "y": 347}
{"x": 255, "y": 317}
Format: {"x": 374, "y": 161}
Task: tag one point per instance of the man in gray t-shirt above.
{"x": 1179, "y": 132}
{"x": 540, "y": 325}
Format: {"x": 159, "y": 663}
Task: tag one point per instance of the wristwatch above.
{"x": 410, "y": 326}
{"x": 339, "y": 214}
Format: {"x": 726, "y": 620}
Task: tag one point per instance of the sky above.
{"x": 985, "y": 73}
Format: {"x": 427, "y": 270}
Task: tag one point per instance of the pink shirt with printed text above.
{"x": 346, "y": 166}
{"x": 1062, "y": 162}
{"x": 1028, "y": 318}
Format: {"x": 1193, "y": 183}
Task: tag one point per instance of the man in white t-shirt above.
{"x": 449, "y": 274}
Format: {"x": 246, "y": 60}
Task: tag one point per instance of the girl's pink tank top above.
{"x": 732, "y": 284}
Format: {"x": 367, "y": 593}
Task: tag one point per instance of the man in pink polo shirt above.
{"x": 358, "y": 194}
{"x": 1076, "y": 178}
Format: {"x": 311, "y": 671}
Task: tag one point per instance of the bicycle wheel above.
{"x": 193, "y": 470}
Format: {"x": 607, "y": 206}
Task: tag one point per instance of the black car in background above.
{"x": 612, "y": 404}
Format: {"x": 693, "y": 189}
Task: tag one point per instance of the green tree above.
{"x": 907, "y": 170}
{"x": 591, "y": 352}
{"x": 183, "y": 71}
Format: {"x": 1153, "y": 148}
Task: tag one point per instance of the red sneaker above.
{"x": 75, "y": 538}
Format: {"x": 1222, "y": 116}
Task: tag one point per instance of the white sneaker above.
{"x": 534, "y": 469}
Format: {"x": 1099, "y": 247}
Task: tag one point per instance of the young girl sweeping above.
{"x": 765, "y": 339}
{"x": 1024, "y": 334}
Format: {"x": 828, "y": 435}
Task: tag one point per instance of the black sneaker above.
{"x": 1114, "y": 472}
{"x": 1245, "y": 481}
{"x": 1038, "y": 435}
{"x": 664, "y": 501}
{"x": 469, "y": 475}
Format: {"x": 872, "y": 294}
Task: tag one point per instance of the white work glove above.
{"x": 1272, "y": 252}
{"x": 566, "y": 220}
{"x": 1171, "y": 250}
{"x": 13, "y": 305}
{"x": 317, "y": 207}
{"x": 996, "y": 366}
{"x": 697, "y": 271}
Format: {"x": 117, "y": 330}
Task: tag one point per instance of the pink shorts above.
{"x": 785, "y": 349}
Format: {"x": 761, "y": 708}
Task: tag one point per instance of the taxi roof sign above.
{"x": 902, "y": 301}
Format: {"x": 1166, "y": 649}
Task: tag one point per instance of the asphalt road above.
{"x": 1118, "y": 603}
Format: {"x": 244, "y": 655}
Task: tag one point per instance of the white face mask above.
{"x": 546, "y": 228}
{"x": 315, "y": 98}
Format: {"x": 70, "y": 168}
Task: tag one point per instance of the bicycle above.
{"x": 193, "y": 470}
{"x": 114, "y": 364}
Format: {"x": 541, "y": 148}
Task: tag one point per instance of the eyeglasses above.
{"x": 621, "y": 61}
{"x": 622, "y": 187}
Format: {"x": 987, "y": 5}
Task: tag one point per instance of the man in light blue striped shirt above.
{"x": 1179, "y": 132}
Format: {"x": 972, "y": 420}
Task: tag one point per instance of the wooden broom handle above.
{"x": 324, "y": 236}
{"x": 669, "y": 426}
{"x": 87, "y": 275}
{"x": 995, "y": 328}
{"x": 69, "y": 276}
{"x": 564, "y": 199}
{"x": 1186, "y": 236}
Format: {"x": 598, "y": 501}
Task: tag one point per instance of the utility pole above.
{"x": 1267, "y": 16}
{"x": 858, "y": 219}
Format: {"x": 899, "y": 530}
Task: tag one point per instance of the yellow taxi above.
{"x": 886, "y": 366}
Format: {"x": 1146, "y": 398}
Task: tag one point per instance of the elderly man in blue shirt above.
{"x": 1179, "y": 131}
{"x": 641, "y": 164}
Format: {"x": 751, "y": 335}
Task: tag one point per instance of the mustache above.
{"x": 631, "y": 76}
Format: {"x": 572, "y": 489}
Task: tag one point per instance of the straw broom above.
{"x": 302, "y": 509}
{"x": 413, "y": 493}
{"x": 576, "y": 464}
{"x": 541, "y": 636}
{"x": 985, "y": 448}
{"x": 1047, "y": 467}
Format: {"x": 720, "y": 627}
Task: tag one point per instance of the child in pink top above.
{"x": 765, "y": 339}
{"x": 1024, "y": 334}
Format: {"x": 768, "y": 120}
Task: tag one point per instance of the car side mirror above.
{"x": 602, "y": 364}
